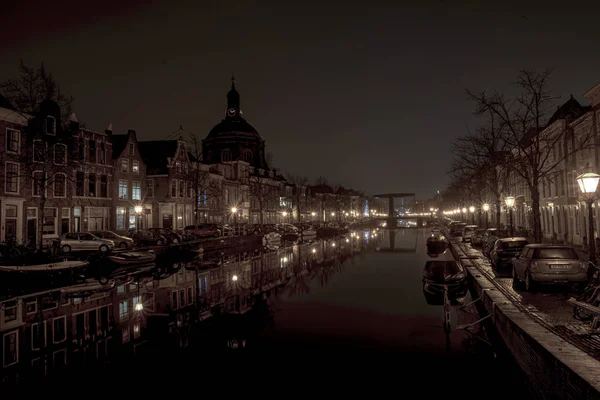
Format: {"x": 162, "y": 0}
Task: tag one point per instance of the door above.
{"x": 32, "y": 230}
{"x": 168, "y": 221}
{"x": 11, "y": 229}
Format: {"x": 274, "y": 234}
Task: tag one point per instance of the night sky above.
{"x": 369, "y": 95}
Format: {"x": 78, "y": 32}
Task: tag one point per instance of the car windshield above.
{"x": 513, "y": 245}
{"x": 556, "y": 253}
{"x": 470, "y": 229}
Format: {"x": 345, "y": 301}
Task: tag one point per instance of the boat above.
{"x": 132, "y": 258}
{"x": 436, "y": 239}
{"x": 47, "y": 267}
{"x": 87, "y": 288}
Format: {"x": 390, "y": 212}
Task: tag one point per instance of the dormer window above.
{"x": 226, "y": 155}
{"x": 50, "y": 125}
{"x": 248, "y": 156}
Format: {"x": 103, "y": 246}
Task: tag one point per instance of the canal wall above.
{"x": 554, "y": 367}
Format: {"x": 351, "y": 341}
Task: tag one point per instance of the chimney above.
{"x": 108, "y": 130}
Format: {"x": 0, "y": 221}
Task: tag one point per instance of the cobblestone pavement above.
{"x": 548, "y": 306}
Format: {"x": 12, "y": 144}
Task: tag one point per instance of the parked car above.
{"x": 456, "y": 229}
{"x": 84, "y": 241}
{"x": 477, "y": 238}
{"x": 287, "y": 228}
{"x": 504, "y": 250}
{"x": 169, "y": 234}
{"x": 122, "y": 242}
{"x": 548, "y": 264}
{"x": 203, "y": 230}
{"x": 468, "y": 232}
{"x": 144, "y": 237}
{"x": 490, "y": 240}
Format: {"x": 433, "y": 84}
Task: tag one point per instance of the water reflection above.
{"x": 407, "y": 239}
{"x": 98, "y": 319}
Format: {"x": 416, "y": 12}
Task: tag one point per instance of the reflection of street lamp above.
{"x": 510, "y": 202}
{"x": 234, "y": 211}
{"x": 486, "y": 208}
{"x": 588, "y": 183}
{"x": 472, "y": 211}
{"x": 138, "y": 212}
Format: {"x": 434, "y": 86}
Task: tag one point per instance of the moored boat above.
{"x": 47, "y": 267}
{"x": 132, "y": 258}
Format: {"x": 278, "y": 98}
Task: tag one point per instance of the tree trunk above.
{"x": 537, "y": 216}
{"x": 498, "y": 211}
{"x": 298, "y": 210}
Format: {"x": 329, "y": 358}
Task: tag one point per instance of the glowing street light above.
{"x": 333, "y": 214}
{"x": 139, "y": 307}
{"x": 234, "y": 278}
{"x": 510, "y": 203}
{"x": 333, "y": 244}
{"x": 588, "y": 183}
{"x": 314, "y": 251}
{"x": 313, "y": 214}
{"x": 486, "y": 208}
{"x": 234, "y": 210}
{"x": 284, "y": 214}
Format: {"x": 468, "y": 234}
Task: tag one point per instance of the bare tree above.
{"x": 203, "y": 186}
{"x": 263, "y": 190}
{"x": 479, "y": 159}
{"x": 299, "y": 195}
{"x": 46, "y": 157}
{"x": 523, "y": 121}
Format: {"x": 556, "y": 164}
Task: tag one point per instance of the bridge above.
{"x": 392, "y": 216}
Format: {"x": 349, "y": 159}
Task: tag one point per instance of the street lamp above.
{"x": 588, "y": 183}
{"x": 464, "y": 211}
{"x": 486, "y": 208}
{"x": 234, "y": 211}
{"x": 510, "y": 202}
{"x": 472, "y": 211}
{"x": 138, "y": 212}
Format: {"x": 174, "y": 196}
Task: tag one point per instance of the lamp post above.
{"x": 588, "y": 183}
{"x": 472, "y": 211}
{"x": 510, "y": 202}
{"x": 138, "y": 212}
{"x": 486, "y": 208}
{"x": 464, "y": 211}
{"x": 234, "y": 211}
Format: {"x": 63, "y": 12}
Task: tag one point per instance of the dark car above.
{"x": 456, "y": 229}
{"x": 504, "y": 250}
{"x": 477, "y": 239}
{"x": 203, "y": 230}
{"x": 169, "y": 234}
{"x": 490, "y": 240}
{"x": 144, "y": 237}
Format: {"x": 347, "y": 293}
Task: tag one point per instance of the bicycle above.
{"x": 590, "y": 295}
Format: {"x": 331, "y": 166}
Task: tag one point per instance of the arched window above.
{"x": 50, "y": 125}
{"x": 225, "y": 155}
{"x": 248, "y": 156}
{"x": 60, "y": 154}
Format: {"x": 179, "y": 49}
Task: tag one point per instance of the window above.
{"x": 136, "y": 191}
{"x": 136, "y": 330}
{"x": 178, "y": 167}
{"x": 135, "y": 168}
{"x": 103, "y": 186}
{"x": 13, "y": 139}
{"x": 38, "y": 183}
{"x": 123, "y": 189}
{"x": 50, "y": 125}
{"x": 132, "y": 218}
{"x": 10, "y": 311}
{"x": 248, "y": 156}
{"x": 10, "y": 348}
{"x": 125, "y": 165}
{"x": 125, "y": 334}
{"x": 31, "y": 307}
{"x": 173, "y": 187}
{"x": 12, "y": 177}
{"x": 185, "y": 168}
{"x": 92, "y": 185}
{"x": 80, "y": 148}
{"x": 38, "y": 151}
{"x": 50, "y": 220}
{"x": 92, "y": 151}
{"x": 102, "y": 159}
{"x": 131, "y": 149}
{"x": 190, "y": 295}
{"x": 120, "y": 217}
{"x": 121, "y": 289}
{"x": 226, "y": 155}
{"x": 59, "y": 329}
{"x": 190, "y": 190}
{"x": 182, "y": 298}
{"x": 182, "y": 189}
{"x": 60, "y": 154}
{"x": 60, "y": 185}
{"x": 123, "y": 310}
{"x": 79, "y": 182}
{"x": 65, "y": 221}
{"x": 174, "y": 303}
{"x": 38, "y": 336}
{"x": 149, "y": 187}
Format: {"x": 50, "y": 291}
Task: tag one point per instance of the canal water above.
{"x": 343, "y": 315}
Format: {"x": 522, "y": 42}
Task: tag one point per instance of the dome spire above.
{"x": 233, "y": 100}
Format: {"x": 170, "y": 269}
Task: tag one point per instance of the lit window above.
{"x": 121, "y": 225}
{"x": 50, "y": 125}
{"x": 136, "y": 191}
{"x": 60, "y": 185}
{"x": 124, "y": 310}
{"x": 11, "y": 178}
{"x": 60, "y": 154}
{"x": 121, "y": 288}
{"x": 135, "y": 167}
{"x": 123, "y": 189}
{"x": 125, "y": 165}
{"x": 13, "y": 139}
{"x": 132, "y": 218}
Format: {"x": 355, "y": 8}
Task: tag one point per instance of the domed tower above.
{"x": 234, "y": 138}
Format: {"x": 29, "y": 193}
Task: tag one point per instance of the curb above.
{"x": 554, "y": 367}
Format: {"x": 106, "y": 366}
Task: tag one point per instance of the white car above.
{"x": 468, "y": 232}
{"x": 84, "y": 241}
